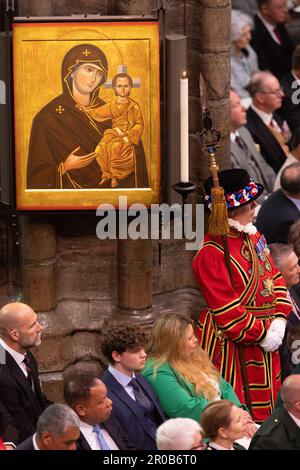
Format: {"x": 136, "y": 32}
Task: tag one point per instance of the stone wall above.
{"x": 74, "y": 280}
{"x": 10, "y": 257}
{"x": 83, "y": 274}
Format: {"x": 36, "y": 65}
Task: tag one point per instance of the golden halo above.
{"x": 65, "y": 42}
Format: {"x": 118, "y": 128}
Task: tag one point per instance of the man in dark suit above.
{"x": 57, "y": 429}
{"x": 286, "y": 261}
{"x": 4, "y": 423}
{"x": 99, "y": 428}
{"x": 265, "y": 126}
{"x": 281, "y": 430}
{"x": 282, "y": 208}
{"x": 270, "y": 39}
{"x": 290, "y": 109}
{"x": 20, "y": 389}
{"x": 135, "y": 403}
{"x": 243, "y": 151}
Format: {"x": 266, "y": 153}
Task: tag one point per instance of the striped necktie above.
{"x": 26, "y": 361}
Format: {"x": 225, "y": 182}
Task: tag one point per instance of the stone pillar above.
{"x": 81, "y": 7}
{"x": 134, "y": 256}
{"x": 3, "y": 262}
{"x": 134, "y": 7}
{"x": 36, "y": 8}
{"x": 213, "y": 37}
{"x": 39, "y": 250}
{"x": 206, "y": 24}
{"x": 135, "y": 274}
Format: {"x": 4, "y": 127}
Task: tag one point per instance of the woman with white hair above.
{"x": 243, "y": 57}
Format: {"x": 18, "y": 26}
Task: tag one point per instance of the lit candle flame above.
{"x": 184, "y": 74}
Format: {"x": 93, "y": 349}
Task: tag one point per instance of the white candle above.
{"x": 184, "y": 129}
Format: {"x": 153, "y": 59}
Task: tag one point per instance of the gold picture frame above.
{"x": 87, "y": 114}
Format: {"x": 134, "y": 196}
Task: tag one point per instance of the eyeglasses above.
{"x": 278, "y": 91}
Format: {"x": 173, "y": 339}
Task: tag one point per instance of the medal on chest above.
{"x": 262, "y": 249}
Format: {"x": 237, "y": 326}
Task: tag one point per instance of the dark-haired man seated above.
{"x": 99, "y": 428}
{"x": 57, "y": 429}
{"x": 135, "y": 403}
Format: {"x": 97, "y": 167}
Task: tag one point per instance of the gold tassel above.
{"x": 218, "y": 220}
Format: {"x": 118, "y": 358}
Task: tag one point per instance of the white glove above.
{"x": 278, "y": 325}
{"x": 272, "y": 341}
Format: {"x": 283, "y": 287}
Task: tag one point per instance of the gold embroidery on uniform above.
{"x": 261, "y": 270}
{"x": 268, "y": 266}
{"x": 245, "y": 252}
{"x": 268, "y": 287}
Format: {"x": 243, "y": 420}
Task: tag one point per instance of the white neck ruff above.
{"x": 250, "y": 229}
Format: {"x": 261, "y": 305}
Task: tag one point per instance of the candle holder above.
{"x": 184, "y": 189}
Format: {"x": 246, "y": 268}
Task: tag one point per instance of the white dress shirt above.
{"x": 123, "y": 380}
{"x": 234, "y": 135}
{"x": 91, "y": 437}
{"x": 18, "y": 357}
{"x": 34, "y": 442}
{"x": 266, "y": 117}
{"x": 269, "y": 118}
{"x": 218, "y": 447}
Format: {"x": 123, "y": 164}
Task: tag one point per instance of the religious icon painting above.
{"x": 86, "y": 114}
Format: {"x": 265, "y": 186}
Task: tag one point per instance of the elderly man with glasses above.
{"x": 267, "y": 128}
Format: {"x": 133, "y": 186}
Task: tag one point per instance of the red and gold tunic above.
{"x": 241, "y": 315}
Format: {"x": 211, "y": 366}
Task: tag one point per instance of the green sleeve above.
{"x": 227, "y": 393}
{"x": 175, "y": 399}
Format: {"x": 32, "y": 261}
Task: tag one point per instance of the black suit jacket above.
{"x": 113, "y": 427}
{"x": 7, "y": 427}
{"x": 262, "y": 135}
{"x": 26, "y": 445}
{"x": 278, "y": 432}
{"x": 272, "y": 56}
{"x": 22, "y": 404}
{"x": 129, "y": 413}
{"x": 290, "y": 109}
{"x": 276, "y": 216}
{"x": 5, "y": 419}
